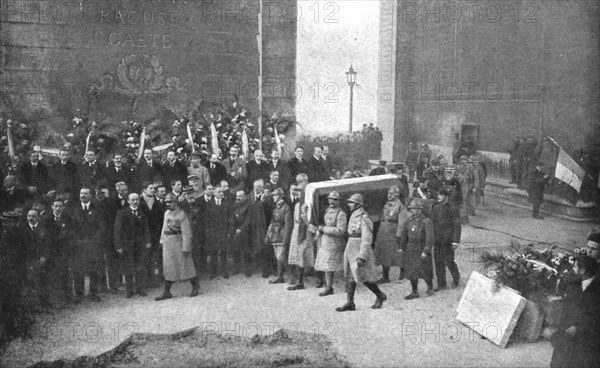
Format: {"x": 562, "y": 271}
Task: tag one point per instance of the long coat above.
{"x": 89, "y": 229}
{"x": 257, "y": 171}
{"x": 301, "y": 251}
{"x": 219, "y": 225}
{"x": 90, "y": 174}
{"x": 394, "y": 216}
{"x": 417, "y": 237}
{"x": 132, "y": 236}
{"x": 360, "y": 232}
{"x": 330, "y": 245}
{"x": 446, "y": 224}
{"x": 216, "y": 174}
{"x": 279, "y": 232}
{"x": 536, "y": 182}
{"x": 176, "y": 238}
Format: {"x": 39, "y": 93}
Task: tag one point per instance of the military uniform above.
{"x": 447, "y": 230}
{"x": 360, "y": 235}
{"x": 417, "y": 237}
{"x": 330, "y": 245}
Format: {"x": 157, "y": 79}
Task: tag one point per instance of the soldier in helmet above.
{"x": 330, "y": 243}
{"x": 416, "y": 242}
{"x": 359, "y": 261}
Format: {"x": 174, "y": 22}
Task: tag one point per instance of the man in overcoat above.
{"x": 359, "y": 261}
{"x": 447, "y": 228}
{"x": 176, "y": 242}
{"x": 219, "y": 225}
{"x": 536, "y": 182}
{"x": 132, "y": 242}
{"x": 416, "y": 242}
{"x": 89, "y": 231}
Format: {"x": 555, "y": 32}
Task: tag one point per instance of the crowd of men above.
{"x": 156, "y": 221}
{"x": 107, "y": 220}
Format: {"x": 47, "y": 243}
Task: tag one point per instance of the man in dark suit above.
{"x": 110, "y": 209}
{"x": 37, "y": 243}
{"x": 64, "y": 174}
{"x": 257, "y": 169}
{"x": 236, "y": 170}
{"x": 90, "y": 172}
{"x": 297, "y": 165}
{"x": 219, "y": 225}
{"x": 132, "y": 242}
{"x": 11, "y": 196}
{"x": 118, "y": 171}
{"x": 154, "y": 211}
{"x": 148, "y": 169}
{"x": 34, "y": 175}
{"x": 216, "y": 172}
{"x": 89, "y": 232}
{"x": 60, "y": 227}
{"x": 173, "y": 169}
{"x": 316, "y": 170}
{"x": 279, "y": 165}
{"x": 578, "y": 337}
{"x": 327, "y": 161}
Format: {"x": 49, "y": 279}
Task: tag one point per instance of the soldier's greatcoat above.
{"x": 393, "y": 217}
{"x": 330, "y": 250}
{"x": 417, "y": 237}
{"x": 176, "y": 238}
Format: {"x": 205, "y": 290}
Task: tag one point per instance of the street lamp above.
{"x": 351, "y": 76}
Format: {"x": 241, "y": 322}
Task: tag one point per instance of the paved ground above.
{"x": 421, "y": 332}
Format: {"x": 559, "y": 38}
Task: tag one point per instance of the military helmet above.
{"x": 334, "y": 195}
{"x": 277, "y": 191}
{"x": 356, "y": 198}
{"x": 416, "y": 203}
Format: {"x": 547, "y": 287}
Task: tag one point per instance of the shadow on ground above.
{"x": 197, "y": 347}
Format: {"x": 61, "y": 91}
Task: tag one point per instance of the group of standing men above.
{"x": 144, "y": 220}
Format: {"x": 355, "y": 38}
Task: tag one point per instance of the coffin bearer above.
{"x": 359, "y": 261}
{"x": 446, "y": 226}
{"x": 176, "y": 241}
{"x": 393, "y": 217}
{"x": 279, "y": 233}
{"x": 133, "y": 243}
{"x": 330, "y": 244}
{"x": 416, "y": 242}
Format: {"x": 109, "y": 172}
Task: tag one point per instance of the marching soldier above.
{"x": 359, "y": 261}
{"x": 416, "y": 242}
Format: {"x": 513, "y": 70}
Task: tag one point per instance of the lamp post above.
{"x": 351, "y": 76}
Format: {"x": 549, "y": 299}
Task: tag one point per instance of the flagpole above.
{"x": 260, "y": 72}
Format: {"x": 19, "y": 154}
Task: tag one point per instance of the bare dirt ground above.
{"x": 421, "y": 332}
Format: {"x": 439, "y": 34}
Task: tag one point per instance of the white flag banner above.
{"x": 568, "y": 171}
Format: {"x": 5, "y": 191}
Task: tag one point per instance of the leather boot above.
{"x": 381, "y": 297}
{"x": 195, "y": 287}
{"x": 166, "y": 294}
{"x": 279, "y": 279}
{"x": 350, "y": 290}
